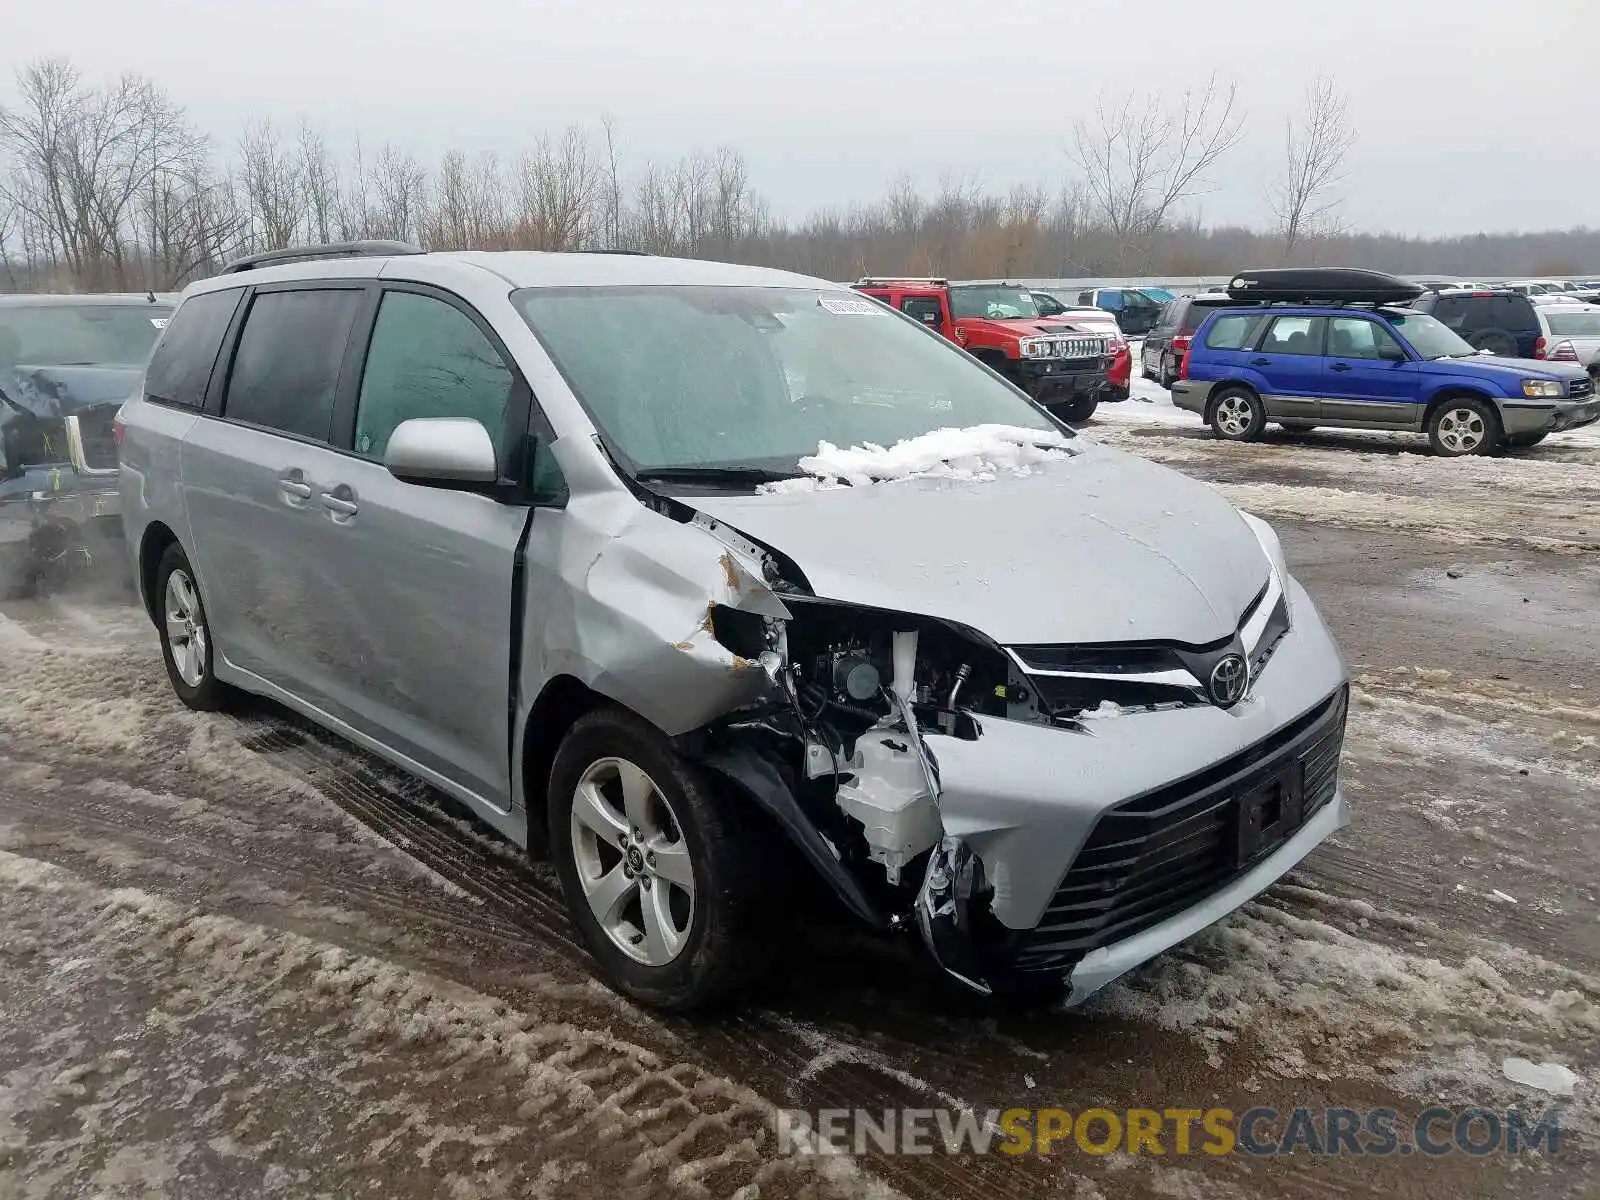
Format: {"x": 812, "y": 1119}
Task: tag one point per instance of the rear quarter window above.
{"x": 180, "y": 368}
{"x": 1233, "y": 332}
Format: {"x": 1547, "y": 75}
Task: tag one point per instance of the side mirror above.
{"x": 1391, "y": 354}
{"x": 441, "y": 452}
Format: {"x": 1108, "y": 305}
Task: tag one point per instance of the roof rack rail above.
{"x": 880, "y": 280}
{"x": 366, "y": 249}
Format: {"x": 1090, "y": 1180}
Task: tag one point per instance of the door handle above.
{"x": 1260, "y": 362}
{"x": 1340, "y": 367}
{"x": 292, "y": 486}
{"x": 340, "y": 501}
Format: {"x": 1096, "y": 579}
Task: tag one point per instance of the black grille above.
{"x": 1154, "y": 856}
{"x": 1582, "y": 389}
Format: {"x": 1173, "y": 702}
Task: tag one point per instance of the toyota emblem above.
{"x": 1230, "y": 679}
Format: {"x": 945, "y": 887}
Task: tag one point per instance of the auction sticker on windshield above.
{"x": 850, "y": 306}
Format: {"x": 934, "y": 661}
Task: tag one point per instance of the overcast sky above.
{"x": 1471, "y": 114}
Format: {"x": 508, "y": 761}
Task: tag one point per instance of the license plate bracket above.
{"x": 1268, "y": 813}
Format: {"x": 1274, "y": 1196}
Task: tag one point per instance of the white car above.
{"x": 1571, "y": 333}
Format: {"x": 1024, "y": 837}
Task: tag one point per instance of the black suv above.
{"x": 1161, "y": 358}
{"x": 1498, "y": 320}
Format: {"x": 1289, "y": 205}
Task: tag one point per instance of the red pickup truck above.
{"x": 1062, "y": 367}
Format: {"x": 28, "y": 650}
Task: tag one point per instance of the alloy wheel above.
{"x": 632, "y": 861}
{"x": 1234, "y": 415}
{"x": 187, "y": 638}
{"x": 1462, "y": 430}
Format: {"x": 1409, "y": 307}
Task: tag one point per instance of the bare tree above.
{"x": 1305, "y": 197}
{"x": 611, "y": 228}
{"x": 319, "y": 179}
{"x": 1141, "y": 160}
{"x": 561, "y": 187}
{"x": 81, "y": 158}
{"x": 400, "y": 190}
{"x": 274, "y": 187}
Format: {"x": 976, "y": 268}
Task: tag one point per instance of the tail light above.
{"x": 1538, "y": 348}
{"x": 1183, "y": 368}
{"x": 1563, "y": 352}
{"x": 1180, "y": 344}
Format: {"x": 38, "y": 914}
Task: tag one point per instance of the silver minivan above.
{"x": 696, "y": 577}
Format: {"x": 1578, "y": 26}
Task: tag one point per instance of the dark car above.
{"x": 1499, "y": 320}
{"x": 1167, "y": 343}
{"x": 66, "y": 365}
{"x": 1134, "y": 308}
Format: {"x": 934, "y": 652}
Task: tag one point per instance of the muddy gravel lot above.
{"x": 238, "y": 958}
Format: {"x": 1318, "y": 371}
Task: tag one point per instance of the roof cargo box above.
{"x": 1330, "y": 285}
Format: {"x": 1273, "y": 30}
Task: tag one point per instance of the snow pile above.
{"x": 1547, "y": 1077}
{"x": 980, "y": 452}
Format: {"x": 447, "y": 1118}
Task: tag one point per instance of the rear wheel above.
{"x": 1169, "y": 372}
{"x": 1238, "y": 415}
{"x": 1464, "y": 426}
{"x": 665, "y": 888}
{"x": 186, "y": 644}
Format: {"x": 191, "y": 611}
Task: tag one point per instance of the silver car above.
{"x": 694, "y": 576}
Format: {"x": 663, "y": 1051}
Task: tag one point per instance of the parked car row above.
{"x": 578, "y": 556}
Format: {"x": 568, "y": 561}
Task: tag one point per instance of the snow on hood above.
{"x": 979, "y": 452}
{"x": 1086, "y": 545}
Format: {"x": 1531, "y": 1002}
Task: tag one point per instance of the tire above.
{"x": 1169, "y": 372}
{"x": 1496, "y": 341}
{"x": 181, "y": 618}
{"x": 664, "y": 944}
{"x": 1521, "y": 441}
{"x": 1237, "y": 415}
{"x": 1464, "y": 426}
{"x": 1077, "y": 410}
{"x": 1144, "y": 368}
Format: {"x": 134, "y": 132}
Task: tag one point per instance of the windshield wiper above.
{"x": 747, "y": 475}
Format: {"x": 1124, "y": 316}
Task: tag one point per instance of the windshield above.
{"x": 59, "y": 335}
{"x": 735, "y": 376}
{"x": 1576, "y": 324}
{"x": 1430, "y": 338}
{"x": 997, "y": 303}
{"x": 1159, "y": 295}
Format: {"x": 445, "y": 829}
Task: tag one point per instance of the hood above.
{"x": 1029, "y": 326}
{"x": 1099, "y": 546}
{"x": 62, "y": 391}
{"x": 1508, "y": 368}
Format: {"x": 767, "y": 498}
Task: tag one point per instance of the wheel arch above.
{"x": 152, "y": 545}
{"x": 1459, "y": 391}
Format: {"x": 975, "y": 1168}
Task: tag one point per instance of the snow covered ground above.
{"x": 241, "y": 959}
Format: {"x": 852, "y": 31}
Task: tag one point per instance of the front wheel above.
{"x": 1464, "y": 426}
{"x": 1077, "y": 410}
{"x": 1238, "y": 415}
{"x": 661, "y": 883}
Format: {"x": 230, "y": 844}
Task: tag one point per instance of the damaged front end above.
{"x": 840, "y": 751}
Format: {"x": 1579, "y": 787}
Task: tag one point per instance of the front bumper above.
{"x": 1550, "y": 416}
{"x": 1046, "y": 894}
{"x": 1072, "y": 377}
